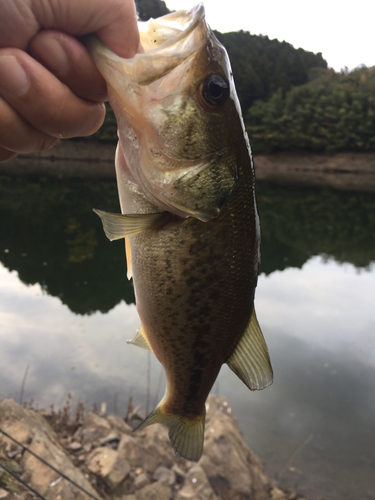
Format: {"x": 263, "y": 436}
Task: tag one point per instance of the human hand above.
{"x": 49, "y": 85}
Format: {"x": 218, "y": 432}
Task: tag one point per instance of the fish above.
{"x": 186, "y": 186}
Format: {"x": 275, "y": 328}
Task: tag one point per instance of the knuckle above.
{"x": 6, "y": 155}
{"x": 46, "y": 142}
{"x": 96, "y": 120}
{"x": 72, "y": 118}
{"x": 87, "y": 120}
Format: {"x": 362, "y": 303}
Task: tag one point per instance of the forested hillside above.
{"x": 262, "y": 66}
{"x": 335, "y": 112}
{"x": 290, "y": 100}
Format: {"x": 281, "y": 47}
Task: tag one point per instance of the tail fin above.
{"x": 186, "y": 434}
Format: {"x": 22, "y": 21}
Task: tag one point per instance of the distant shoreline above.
{"x": 89, "y": 159}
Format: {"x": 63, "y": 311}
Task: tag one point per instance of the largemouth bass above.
{"x": 187, "y": 192}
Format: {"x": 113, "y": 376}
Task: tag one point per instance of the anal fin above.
{"x": 141, "y": 340}
{"x": 250, "y": 360}
{"x": 186, "y": 434}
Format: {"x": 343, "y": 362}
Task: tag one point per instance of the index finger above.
{"x": 114, "y": 21}
{"x": 121, "y": 34}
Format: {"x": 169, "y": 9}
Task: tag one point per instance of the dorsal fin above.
{"x": 250, "y": 360}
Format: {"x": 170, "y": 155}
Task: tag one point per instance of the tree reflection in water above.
{"x": 50, "y": 235}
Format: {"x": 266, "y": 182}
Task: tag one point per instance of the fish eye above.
{"x": 215, "y": 90}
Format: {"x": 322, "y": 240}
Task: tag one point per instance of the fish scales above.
{"x": 187, "y": 303}
{"x": 187, "y": 193}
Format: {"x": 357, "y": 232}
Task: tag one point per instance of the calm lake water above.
{"x": 66, "y": 310}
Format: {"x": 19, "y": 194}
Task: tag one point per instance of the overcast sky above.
{"x": 343, "y": 31}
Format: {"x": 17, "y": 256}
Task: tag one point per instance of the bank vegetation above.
{"x": 291, "y": 100}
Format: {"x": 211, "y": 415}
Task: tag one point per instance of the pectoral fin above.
{"x": 250, "y": 360}
{"x": 141, "y": 340}
{"x": 117, "y": 226}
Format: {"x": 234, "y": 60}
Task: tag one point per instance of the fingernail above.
{"x": 13, "y": 78}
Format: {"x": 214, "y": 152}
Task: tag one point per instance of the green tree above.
{"x": 151, "y": 8}
{"x": 335, "y": 112}
{"x": 262, "y": 66}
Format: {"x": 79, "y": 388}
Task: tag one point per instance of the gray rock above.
{"x": 152, "y": 456}
{"x": 130, "y": 449}
{"x": 196, "y": 486}
{"x": 234, "y": 471}
{"x": 141, "y": 480}
{"x": 118, "y": 424}
{"x": 179, "y": 473}
{"x": 277, "y": 494}
{"x": 164, "y": 475}
{"x": 87, "y": 447}
{"x": 93, "y": 429}
{"x": 33, "y": 430}
{"x": 112, "y": 439}
{"x": 15, "y": 452}
{"x": 154, "y": 491}
{"x": 74, "y": 446}
{"x": 156, "y": 446}
{"x": 228, "y": 470}
{"x": 109, "y": 465}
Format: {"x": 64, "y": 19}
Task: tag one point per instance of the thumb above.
{"x": 120, "y": 33}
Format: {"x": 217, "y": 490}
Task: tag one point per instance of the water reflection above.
{"x": 316, "y": 313}
{"x": 50, "y": 235}
{"x": 319, "y": 325}
{"x": 84, "y": 355}
{"x": 300, "y": 222}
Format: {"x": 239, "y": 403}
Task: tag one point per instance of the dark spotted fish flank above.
{"x": 202, "y": 278}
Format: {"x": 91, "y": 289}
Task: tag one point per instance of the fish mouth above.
{"x": 166, "y": 41}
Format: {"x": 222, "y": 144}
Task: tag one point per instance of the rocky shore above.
{"x": 102, "y": 455}
{"x": 90, "y": 159}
